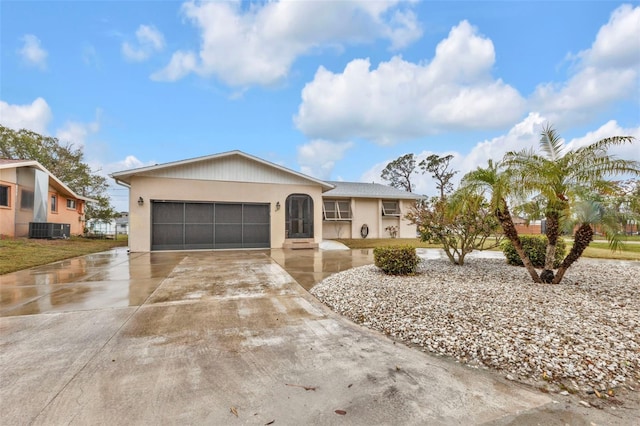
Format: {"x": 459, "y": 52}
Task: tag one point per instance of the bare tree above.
{"x": 439, "y": 169}
{"x": 398, "y": 172}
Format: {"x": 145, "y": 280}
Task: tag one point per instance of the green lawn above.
{"x": 23, "y": 253}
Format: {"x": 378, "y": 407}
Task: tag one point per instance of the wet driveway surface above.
{"x": 217, "y": 338}
{"x": 116, "y": 279}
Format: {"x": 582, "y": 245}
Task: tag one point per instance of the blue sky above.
{"x": 333, "y": 89}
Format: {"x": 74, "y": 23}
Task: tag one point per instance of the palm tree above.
{"x": 586, "y": 215}
{"x": 556, "y": 177}
{"x": 498, "y": 182}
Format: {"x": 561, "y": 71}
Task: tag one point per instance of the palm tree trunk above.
{"x": 581, "y": 240}
{"x": 504, "y": 217}
{"x": 553, "y": 231}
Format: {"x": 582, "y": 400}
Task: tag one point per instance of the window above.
{"x": 71, "y": 204}
{"x": 26, "y": 199}
{"x": 336, "y": 209}
{"x": 4, "y": 196}
{"x": 54, "y": 203}
{"x": 390, "y": 208}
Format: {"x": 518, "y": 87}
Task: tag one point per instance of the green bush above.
{"x": 535, "y": 246}
{"x": 396, "y": 260}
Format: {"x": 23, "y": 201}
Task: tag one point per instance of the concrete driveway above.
{"x": 217, "y": 338}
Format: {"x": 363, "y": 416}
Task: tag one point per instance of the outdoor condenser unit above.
{"x": 49, "y": 230}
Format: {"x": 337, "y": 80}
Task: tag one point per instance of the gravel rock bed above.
{"x": 583, "y": 333}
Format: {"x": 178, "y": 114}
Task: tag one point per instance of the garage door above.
{"x": 190, "y": 225}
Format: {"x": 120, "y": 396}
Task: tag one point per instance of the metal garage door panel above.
{"x": 198, "y": 226}
{"x": 167, "y": 231}
{"x": 184, "y": 226}
{"x": 256, "y": 225}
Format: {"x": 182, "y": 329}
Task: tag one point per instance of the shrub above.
{"x": 396, "y": 260}
{"x": 535, "y": 246}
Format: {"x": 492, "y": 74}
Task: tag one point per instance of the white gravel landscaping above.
{"x": 583, "y": 333}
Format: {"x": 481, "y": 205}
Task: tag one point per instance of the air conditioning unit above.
{"x": 49, "y": 230}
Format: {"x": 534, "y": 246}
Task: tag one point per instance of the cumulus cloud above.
{"x": 612, "y": 128}
{"x": 524, "y": 135}
{"x": 604, "y": 73}
{"x": 403, "y": 100}
{"x": 76, "y": 133}
{"x": 148, "y": 41}
{"x": 257, "y": 45}
{"x": 32, "y": 52}
{"x": 317, "y": 158}
{"x": 34, "y": 116}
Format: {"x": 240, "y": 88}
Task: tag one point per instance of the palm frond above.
{"x": 551, "y": 143}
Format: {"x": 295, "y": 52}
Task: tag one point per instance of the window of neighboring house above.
{"x": 336, "y": 209}
{"x": 4, "y": 195}
{"x": 26, "y": 199}
{"x": 71, "y": 204}
{"x": 390, "y": 208}
{"x": 54, "y": 203}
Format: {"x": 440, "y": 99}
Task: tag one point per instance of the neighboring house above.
{"x": 119, "y": 225}
{"x": 235, "y": 200}
{"x": 358, "y": 210}
{"x": 534, "y": 227}
{"x": 29, "y": 193}
{"x": 122, "y": 224}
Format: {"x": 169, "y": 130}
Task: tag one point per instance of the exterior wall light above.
{"x": 140, "y": 201}
{"x": 278, "y": 206}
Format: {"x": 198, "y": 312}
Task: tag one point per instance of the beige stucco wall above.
{"x": 169, "y": 189}
{"x": 7, "y": 214}
{"x": 64, "y": 215}
{"x": 407, "y": 229}
{"x": 369, "y": 211}
{"x": 14, "y": 221}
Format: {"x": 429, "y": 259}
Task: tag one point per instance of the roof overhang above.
{"x": 124, "y": 177}
{"x": 53, "y": 181}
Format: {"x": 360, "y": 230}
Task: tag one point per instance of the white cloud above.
{"x": 607, "y": 72}
{"x": 617, "y": 43}
{"x": 524, "y": 135}
{"x": 35, "y": 116}
{"x": 403, "y": 100}
{"x": 612, "y": 128}
{"x": 257, "y": 44}
{"x": 317, "y": 158}
{"x": 76, "y": 133}
{"x": 149, "y": 41}
{"x": 32, "y": 52}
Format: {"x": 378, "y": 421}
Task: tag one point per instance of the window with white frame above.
{"x": 336, "y": 209}
{"x": 4, "y": 196}
{"x": 390, "y": 208}
{"x": 71, "y": 204}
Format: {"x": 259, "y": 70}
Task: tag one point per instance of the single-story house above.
{"x": 236, "y": 200}
{"x": 30, "y": 194}
{"x": 117, "y": 226}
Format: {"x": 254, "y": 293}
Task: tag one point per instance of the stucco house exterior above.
{"x": 360, "y": 210}
{"x": 235, "y": 200}
{"x": 29, "y": 193}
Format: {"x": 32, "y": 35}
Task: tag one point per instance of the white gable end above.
{"x": 233, "y": 168}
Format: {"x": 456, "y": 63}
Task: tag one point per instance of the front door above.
{"x": 299, "y": 212}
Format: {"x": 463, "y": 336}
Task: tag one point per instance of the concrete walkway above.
{"x": 215, "y": 338}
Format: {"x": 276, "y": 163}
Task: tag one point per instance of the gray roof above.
{"x": 368, "y": 190}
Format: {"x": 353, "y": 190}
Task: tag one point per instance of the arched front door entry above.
{"x": 299, "y": 212}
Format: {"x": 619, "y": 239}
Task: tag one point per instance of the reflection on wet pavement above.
{"x": 103, "y": 280}
{"x": 116, "y": 279}
{"x": 309, "y": 267}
